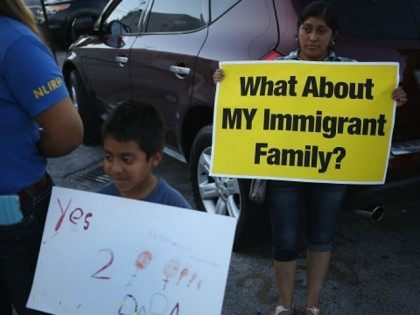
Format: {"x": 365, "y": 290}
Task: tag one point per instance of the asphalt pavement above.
{"x": 375, "y": 268}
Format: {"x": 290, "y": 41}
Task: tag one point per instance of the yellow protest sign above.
{"x": 304, "y": 121}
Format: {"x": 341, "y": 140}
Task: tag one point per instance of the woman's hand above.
{"x": 399, "y": 96}
{"x": 218, "y": 76}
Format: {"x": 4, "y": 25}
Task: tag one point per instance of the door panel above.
{"x": 162, "y": 73}
{"x": 107, "y": 62}
{"x": 105, "y": 71}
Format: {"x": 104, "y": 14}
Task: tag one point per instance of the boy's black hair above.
{"x": 138, "y": 121}
{"x": 320, "y": 9}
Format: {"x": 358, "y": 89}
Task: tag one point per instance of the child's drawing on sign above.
{"x": 105, "y": 266}
{"x": 144, "y": 265}
{"x": 128, "y": 306}
{"x": 193, "y": 283}
{"x": 170, "y": 270}
{"x": 193, "y": 276}
{"x": 182, "y": 274}
{"x": 200, "y": 282}
{"x": 142, "y": 261}
{"x": 158, "y": 305}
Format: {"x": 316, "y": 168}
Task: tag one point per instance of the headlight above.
{"x": 53, "y": 9}
{"x": 53, "y": 2}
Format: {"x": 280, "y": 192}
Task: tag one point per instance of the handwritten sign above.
{"x": 304, "y": 121}
{"x": 108, "y": 255}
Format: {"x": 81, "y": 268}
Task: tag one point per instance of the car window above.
{"x": 379, "y": 19}
{"x": 124, "y": 18}
{"x": 175, "y": 16}
{"x": 218, "y": 7}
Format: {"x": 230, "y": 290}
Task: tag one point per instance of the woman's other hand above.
{"x": 218, "y": 76}
{"x": 399, "y": 96}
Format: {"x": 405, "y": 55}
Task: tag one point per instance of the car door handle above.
{"x": 180, "y": 72}
{"x": 121, "y": 60}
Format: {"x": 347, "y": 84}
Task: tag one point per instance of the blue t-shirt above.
{"x": 30, "y": 82}
{"x": 163, "y": 194}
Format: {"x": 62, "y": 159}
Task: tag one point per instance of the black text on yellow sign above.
{"x": 326, "y": 122}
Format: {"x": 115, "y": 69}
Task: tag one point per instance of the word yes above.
{"x": 74, "y": 216}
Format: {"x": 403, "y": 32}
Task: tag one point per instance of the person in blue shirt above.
{"x": 37, "y": 120}
{"x": 132, "y": 139}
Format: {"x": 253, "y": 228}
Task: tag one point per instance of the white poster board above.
{"x": 109, "y": 255}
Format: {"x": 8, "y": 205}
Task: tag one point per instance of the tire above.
{"x": 223, "y": 195}
{"x": 71, "y": 37}
{"x": 91, "y": 121}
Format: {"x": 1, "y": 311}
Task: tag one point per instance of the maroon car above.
{"x": 165, "y": 51}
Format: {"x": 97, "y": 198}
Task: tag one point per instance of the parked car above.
{"x": 62, "y": 14}
{"x": 33, "y": 5}
{"x": 165, "y": 53}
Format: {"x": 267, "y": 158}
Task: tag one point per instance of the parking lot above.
{"x": 375, "y": 268}
{"x": 166, "y": 53}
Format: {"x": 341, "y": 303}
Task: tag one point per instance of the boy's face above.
{"x": 126, "y": 164}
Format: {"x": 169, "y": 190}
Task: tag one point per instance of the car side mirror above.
{"x": 117, "y": 28}
{"x": 83, "y": 25}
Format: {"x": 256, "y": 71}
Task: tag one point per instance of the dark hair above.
{"x": 138, "y": 121}
{"x": 320, "y": 9}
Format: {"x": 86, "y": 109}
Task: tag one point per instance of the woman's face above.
{"x": 314, "y": 37}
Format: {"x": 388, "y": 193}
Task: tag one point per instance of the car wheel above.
{"x": 71, "y": 35}
{"x": 223, "y": 195}
{"x": 91, "y": 121}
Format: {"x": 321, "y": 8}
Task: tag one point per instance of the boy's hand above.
{"x": 218, "y": 76}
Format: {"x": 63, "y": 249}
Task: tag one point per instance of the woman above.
{"x": 37, "y": 120}
{"x": 286, "y": 201}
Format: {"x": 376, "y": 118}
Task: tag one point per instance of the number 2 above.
{"x": 109, "y": 263}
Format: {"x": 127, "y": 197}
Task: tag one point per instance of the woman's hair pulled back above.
{"x": 319, "y": 9}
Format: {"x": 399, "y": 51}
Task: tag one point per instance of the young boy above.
{"x": 132, "y": 139}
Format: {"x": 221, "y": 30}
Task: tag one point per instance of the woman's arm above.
{"x": 62, "y": 129}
